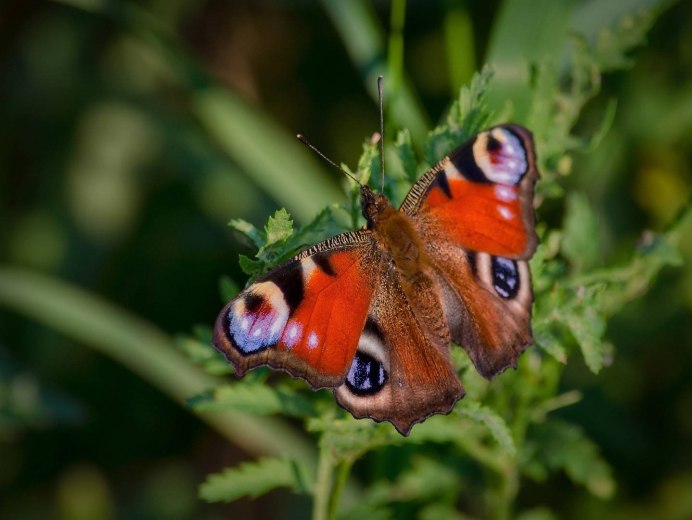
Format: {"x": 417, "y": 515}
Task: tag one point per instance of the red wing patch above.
{"x": 479, "y": 216}
{"x": 325, "y": 327}
{"x": 305, "y": 317}
{"x": 481, "y": 195}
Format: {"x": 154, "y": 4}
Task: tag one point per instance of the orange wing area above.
{"x": 324, "y": 329}
{"x": 306, "y": 316}
{"x": 480, "y": 216}
{"x": 481, "y": 195}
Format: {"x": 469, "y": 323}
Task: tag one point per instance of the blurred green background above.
{"x": 132, "y": 131}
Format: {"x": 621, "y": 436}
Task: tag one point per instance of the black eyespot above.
{"x": 493, "y": 145}
{"x": 366, "y": 376}
{"x": 505, "y": 277}
{"x": 252, "y": 302}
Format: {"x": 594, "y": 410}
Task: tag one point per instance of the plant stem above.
{"x": 323, "y": 485}
{"x": 343, "y": 471}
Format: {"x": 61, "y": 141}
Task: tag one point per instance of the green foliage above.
{"x": 556, "y": 445}
{"x": 255, "y": 397}
{"x": 256, "y": 478}
{"x": 467, "y": 116}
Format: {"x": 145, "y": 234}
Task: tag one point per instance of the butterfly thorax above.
{"x": 394, "y": 231}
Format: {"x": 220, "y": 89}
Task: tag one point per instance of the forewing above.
{"x": 481, "y": 196}
{"x": 306, "y": 316}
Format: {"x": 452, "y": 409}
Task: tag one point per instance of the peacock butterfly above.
{"x": 371, "y": 313}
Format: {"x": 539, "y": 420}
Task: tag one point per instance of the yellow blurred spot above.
{"x": 661, "y": 191}
{"x": 83, "y": 494}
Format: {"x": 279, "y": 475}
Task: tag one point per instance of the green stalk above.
{"x": 323, "y": 485}
{"x": 143, "y": 349}
{"x": 460, "y": 46}
{"x": 343, "y": 471}
{"x": 395, "y": 54}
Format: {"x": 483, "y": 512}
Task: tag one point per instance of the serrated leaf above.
{"x": 256, "y": 236}
{"x": 256, "y": 398}
{"x": 473, "y": 115}
{"x": 249, "y": 266}
{"x": 350, "y": 437}
{"x": 560, "y": 445}
{"x": 406, "y": 155}
{"x": 467, "y": 116}
{"x": 545, "y": 339}
{"x": 492, "y": 421}
{"x": 580, "y": 237}
{"x": 588, "y": 329}
{"x": 256, "y": 478}
{"x": 279, "y": 227}
{"x": 203, "y": 354}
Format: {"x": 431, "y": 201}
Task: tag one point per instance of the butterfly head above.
{"x": 375, "y": 206}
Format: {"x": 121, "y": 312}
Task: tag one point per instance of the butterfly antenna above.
{"x": 379, "y": 96}
{"x": 307, "y": 143}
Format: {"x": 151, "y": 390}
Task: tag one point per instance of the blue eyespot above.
{"x": 505, "y": 277}
{"x": 366, "y": 376}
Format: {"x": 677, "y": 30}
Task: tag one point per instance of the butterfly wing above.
{"x": 402, "y": 371}
{"x": 306, "y": 316}
{"x": 337, "y": 316}
{"x": 475, "y": 212}
{"x": 481, "y": 195}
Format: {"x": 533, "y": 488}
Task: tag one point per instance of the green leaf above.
{"x": 559, "y": 445}
{"x": 471, "y": 113}
{"x": 256, "y": 478}
{"x": 279, "y": 228}
{"x": 580, "y": 238}
{"x": 467, "y": 116}
{"x": 544, "y": 338}
{"x": 588, "y": 329}
{"x": 351, "y": 438}
{"x": 257, "y": 398}
{"x": 203, "y": 354}
{"x": 250, "y": 267}
{"x": 495, "y": 424}
{"x": 257, "y": 237}
{"x": 406, "y": 155}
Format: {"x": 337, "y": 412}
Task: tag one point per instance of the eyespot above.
{"x": 501, "y": 156}
{"x": 505, "y": 277}
{"x": 366, "y": 376}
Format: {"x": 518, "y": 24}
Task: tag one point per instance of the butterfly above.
{"x": 371, "y": 313}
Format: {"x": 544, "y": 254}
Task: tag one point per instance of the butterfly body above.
{"x": 371, "y": 313}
